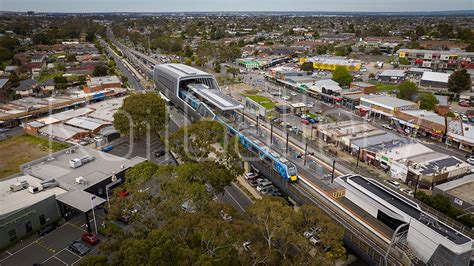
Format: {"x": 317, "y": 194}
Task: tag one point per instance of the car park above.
{"x": 47, "y": 229}
{"x": 262, "y": 180}
{"x": 90, "y": 238}
{"x": 79, "y": 248}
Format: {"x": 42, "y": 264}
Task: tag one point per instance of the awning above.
{"x": 81, "y": 200}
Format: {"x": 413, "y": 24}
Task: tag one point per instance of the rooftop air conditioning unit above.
{"x": 81, "y": 180}
{"x": 19, "y": 186}
{"x": 35, "y": 189}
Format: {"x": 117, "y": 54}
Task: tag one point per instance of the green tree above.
{"x": 217, "y": 67}
{"x": 94, "y": 261}
{"x": 233, "y": 71}
{"x": 140, "y": 114}
{"x": 71, "y": 57}
{"x": 342, "y": 76}
{"x": 9, "y": 43}
{"x": 407, "y": 90}
{"x": 459, "y": 81}
{"x": 5, "y": 54}
{"x": 307, "y": 66}
{"x": 100, "y": 71}
{"x": 427, "y": 101}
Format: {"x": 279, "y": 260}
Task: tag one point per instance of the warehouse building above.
{"x": 435, "y": 79}
{"x": 392, "y": 76}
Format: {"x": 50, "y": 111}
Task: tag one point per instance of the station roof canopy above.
{"x": 216, "y": 97}
{"x": 81, "y": 200}
{"x": 178, "y": 71}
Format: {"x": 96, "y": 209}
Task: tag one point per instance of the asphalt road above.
{"x": 236, "y": 198}
{"x": 132, "y": 80}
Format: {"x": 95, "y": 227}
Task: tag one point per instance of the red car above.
{"x": 464, "y": 104}
{"x": 123, "y": 194}
{"x": 304, "y": 121}
{"x": 90, "y": 238}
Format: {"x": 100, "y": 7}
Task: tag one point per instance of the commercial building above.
{"x": 91, "y": 125}
{"x": 86, "y": 175}
{"x": 461, "y": 135}
{"x": 435, "y": 79}
{"x": 384, "y": 106}
{"x": 61, "y": 132}
{"x": 438, "y": 60}
{"x": 365, "y": 88}
{"x": 23, "y": 212}
{"x": 422, "y": 122}
{"x": 392, "y": 76}
{"x": 459, "y": 191}
{"x": 248, "y": 63}
{"x": 331, "y": 62}
{"x": 95, "y": 84}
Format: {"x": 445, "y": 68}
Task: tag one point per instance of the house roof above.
{"x": 3, "y": 82}
{"x": 48, "y": 82}
{"x": 26, "y": 84}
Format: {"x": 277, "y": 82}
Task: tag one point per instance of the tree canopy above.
{"x": 427, "y": 101}
{"x": 160, "y": 231}
{"x": 407, "y": 90}
{"x": 307, "y": 66}
{"x": 140, "y": 114}
{"x": 342, "y": 76}
{"x": 459, "y": 81}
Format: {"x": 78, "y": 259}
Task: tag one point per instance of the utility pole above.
{"x": 333, "y": 168}
{"x": 416, "y": 185}
{"x": 271, "y": 132}
{"x": 287, "y": 135}
{"x": 257, "y": 123}
{"x": 358, "y": 158}
{"x": 305, "y": 152}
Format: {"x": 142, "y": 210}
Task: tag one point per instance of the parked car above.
{"x": 311, "y": 232}
{"x": 294, "y": 93}
{"x": 470, "y": 160}
{"x": 159, "y": 153}
{"x": 406, "y": 190}
{"x": 125, "y": 219}
{"x": 262, "y": 180}
{"x": 2, "y": 130}
{"x": 79, "y": 248}
{"x": 268, "y": 190}
{"x": 314, "y": 240}
{"x": 253, "y": 182}
{"x": 392, "y": 183}
{"x": 312, "y": 120}
{"x": 387, "y": 126}
{"x": 250, "y": 175}
{"x": 90, "y": 238}
{"x": 286, "y": 98}
{"x": 262, "y": 186}
{"x": 123, "y": 194}
{"x": 226, "y": 216}
{"x": 275, "y": 194}
{"x": 188, "y": 206}
{"x": 464, "y": 104}
{"x": 310, "y": 105}
{"x": 304, "y": 121}
{"x": 47, "y": 229}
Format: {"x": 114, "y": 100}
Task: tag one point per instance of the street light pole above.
{"x": 305, "y": 152}
{"x": 333, "y": 168}
{"x": 358, "y": 158}
{"x": 257, "y": 123}
{"x": 271, "y": 132}
{"x": 93, "y": 215}
{"x": 287, "y": 135}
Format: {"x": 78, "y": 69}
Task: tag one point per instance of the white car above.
{"x": 310, "y": 105}
{"x": 250, "y": 175}
{"x": 406, "y": 190}
{"x": 286, "y": 98}
{"x": 294, "y": 93}
{"x": 226, "y": 216}
{"x": 470, "y": 160}
{"x": 387, "y": 126}
{"x": 314, "y": 240}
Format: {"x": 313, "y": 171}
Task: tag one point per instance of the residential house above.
{"x": 26, "y": 87}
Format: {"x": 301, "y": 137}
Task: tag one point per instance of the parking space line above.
{"x": 60, "y": 260}
{"x": 8, "y": 252}
{"x": 235, "y": 200}
{"x": 77, "y": 226}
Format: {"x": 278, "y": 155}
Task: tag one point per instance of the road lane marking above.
{"x": 235, "y": 200}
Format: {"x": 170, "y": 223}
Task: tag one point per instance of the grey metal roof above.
{"x": 375, "y": 140}
{"x": 393, "y": 73}
{"x": 80, "y": 200}
{"x": 3, "y": 82}
{"x": 216, "y": 97}
{"x": 178, "y": 71}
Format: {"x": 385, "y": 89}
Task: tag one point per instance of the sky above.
{"x": 233, "y": 5}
